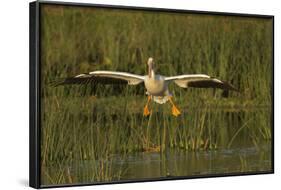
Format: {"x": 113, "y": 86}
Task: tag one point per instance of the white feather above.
{"x": 160, "y": 99}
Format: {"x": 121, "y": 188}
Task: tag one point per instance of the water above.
{"x": 188, "y": 163}
{"x": 172, "y": 163}
{"x": 243, "y": 143}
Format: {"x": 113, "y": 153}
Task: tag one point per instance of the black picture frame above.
{"x": 35, "y": 89}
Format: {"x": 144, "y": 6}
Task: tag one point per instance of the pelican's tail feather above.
{"x": 160, "y": 99}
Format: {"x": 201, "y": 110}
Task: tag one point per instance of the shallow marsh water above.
{"x": 187, "y": 163}
{"x": 177, "y": 163}
{"x": 238, "y": 147}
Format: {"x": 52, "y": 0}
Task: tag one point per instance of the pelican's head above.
{"x": 150, "y": 66}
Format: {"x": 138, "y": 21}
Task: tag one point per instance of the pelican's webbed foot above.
{"x": 146, "y": 111}
{"x": 175, "y": 111}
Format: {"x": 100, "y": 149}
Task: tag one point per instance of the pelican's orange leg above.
{"x": 175, "y": 110}
{"x": 146, "y": 111}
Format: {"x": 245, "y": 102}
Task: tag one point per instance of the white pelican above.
{"x": 156, "y": 85}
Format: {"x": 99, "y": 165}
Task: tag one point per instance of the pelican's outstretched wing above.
{"x": 200, "y": 81}
{"x": 103, "y": 77}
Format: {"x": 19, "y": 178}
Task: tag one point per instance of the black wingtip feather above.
{"x": 212, "y": 84}
{"x": 86, "y": 79}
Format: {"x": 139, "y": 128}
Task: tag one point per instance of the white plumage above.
{"x": 156, "y": 85}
